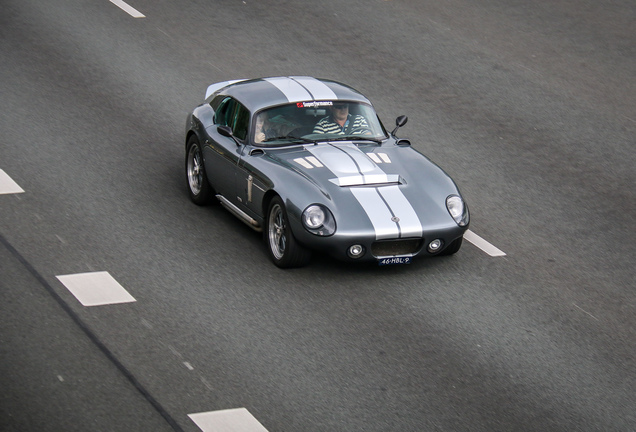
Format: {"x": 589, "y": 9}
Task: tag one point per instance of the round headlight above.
{"x": 314, "y": 217}
{"x": 318, "y": 220}
{"x": 457, "y": 209}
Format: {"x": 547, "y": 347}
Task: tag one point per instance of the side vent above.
{"x": 257, "y": 152}
{"x": 403, "y": 142}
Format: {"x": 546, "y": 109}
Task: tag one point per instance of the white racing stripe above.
{"x": 293, "y": 91}
{"x": 357, "y": 165}
{"x": 95, "y": 289}
{"x": 410, "y": 225}
{"x": 378, "y": 212}
{"x": 389, "y": 210}
{"x": 230, "y": 420}
{"x": 128, "y": 9}
{"x": 319, "y": 90}
{"x": 298, "y": 89}
{"x": 483, "y": 244}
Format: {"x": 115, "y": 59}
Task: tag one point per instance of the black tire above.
{"x": 282, "y": 247}
{"x": 453, "y": 247}
{"x": 201, "y": 193}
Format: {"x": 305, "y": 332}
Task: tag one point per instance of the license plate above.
{"x": 394, "y": 260}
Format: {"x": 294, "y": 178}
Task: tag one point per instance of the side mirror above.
{"x": 399, "y": 122}
{"x": 226, "y": 131}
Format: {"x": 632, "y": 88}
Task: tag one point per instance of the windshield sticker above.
{"x": 313, "y": 104}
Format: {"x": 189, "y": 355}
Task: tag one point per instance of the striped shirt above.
{"x": 328, "y": 126}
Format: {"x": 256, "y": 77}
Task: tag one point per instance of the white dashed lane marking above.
{"x": 483, "y": 244}
{"x": 96, "y": 289}
{"x": 7, "y": 185}
{"x": 230, "y": 420}
{"x": 128, "y": 9}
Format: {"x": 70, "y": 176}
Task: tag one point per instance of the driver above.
{"x": 341, "y": 122}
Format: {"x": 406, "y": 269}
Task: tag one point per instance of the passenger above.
{"x": 341, "y": 122}
{"x": 272, "y": 127}
{"x": 263, "y": 130}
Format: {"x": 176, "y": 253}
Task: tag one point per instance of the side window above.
{"x": 224, "y": 113}
{"x": 241, "y": 121}
{"x": 231, "y": 113}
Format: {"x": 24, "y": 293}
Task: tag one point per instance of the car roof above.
{"x": 256, "y": 94}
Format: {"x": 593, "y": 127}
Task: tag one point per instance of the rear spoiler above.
{"x": 217, "y": 86}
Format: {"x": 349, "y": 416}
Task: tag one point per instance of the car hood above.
{"x": 343, "y": 165}
{"x": 383, "y": 183}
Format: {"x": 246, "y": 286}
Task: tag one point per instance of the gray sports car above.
{"x": 308, "y": 163}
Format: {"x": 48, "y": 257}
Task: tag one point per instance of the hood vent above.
{"x": 366, "y": 180}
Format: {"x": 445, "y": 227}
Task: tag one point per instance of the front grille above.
{"x": 386, "y": 248}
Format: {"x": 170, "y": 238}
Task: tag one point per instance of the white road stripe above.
{"x": 230, "y": 420}
{"x": 483, "y": 244}
{"x": 95, "y": 289}
{"x": 7, "y": 185}
{"x": 128, "y": 9}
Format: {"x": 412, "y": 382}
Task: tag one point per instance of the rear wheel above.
{"x": 282, "y": 247}
{"x": 201, "y": 192}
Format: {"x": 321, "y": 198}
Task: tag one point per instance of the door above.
{"x": 222, "y": 153}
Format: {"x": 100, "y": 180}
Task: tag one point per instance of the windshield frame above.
{"x": 294, "y": 123}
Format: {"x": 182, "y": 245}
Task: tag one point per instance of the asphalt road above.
{"x": 529, "y": 105}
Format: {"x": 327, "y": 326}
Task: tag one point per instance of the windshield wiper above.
{"x": 357, "y": 138}
{"x": 293, "y": 139}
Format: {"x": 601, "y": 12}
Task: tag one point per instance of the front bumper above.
{"x": 340, "y": 244}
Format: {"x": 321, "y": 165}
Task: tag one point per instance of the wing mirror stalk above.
{"x": 226, "y": 131}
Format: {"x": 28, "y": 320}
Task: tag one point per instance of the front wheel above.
{"x": 201, "y": 192}
{"x": 282, "y": 247}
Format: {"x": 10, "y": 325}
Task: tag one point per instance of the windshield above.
{"x": 316, "y": 121}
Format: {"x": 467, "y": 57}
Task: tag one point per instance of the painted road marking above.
{"x": 128, "y": 9}
{"x": 96, "y": 288}
{"x": 231, "y": 420}
{"x": 483, "y": 244}
{"x": 7, "y": 185}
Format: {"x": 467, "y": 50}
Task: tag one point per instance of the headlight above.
{"x": 318, "y": 220}
{"x": 314, "y": 217}
{"x": 458, "y": 210}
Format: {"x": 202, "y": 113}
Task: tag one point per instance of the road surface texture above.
{"x": 528, "y": 105}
